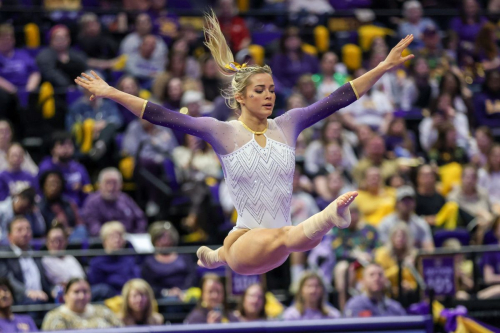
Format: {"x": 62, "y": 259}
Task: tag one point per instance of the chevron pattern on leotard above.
{"x": 260, "y": 180}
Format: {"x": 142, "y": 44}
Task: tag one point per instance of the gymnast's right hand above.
{"x": 95, "y": 85}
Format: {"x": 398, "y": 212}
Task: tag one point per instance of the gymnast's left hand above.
{"x": 395, "y": 58}
{"x": 94, "y": 84}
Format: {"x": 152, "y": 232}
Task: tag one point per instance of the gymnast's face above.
{"x": 259, "y": 96}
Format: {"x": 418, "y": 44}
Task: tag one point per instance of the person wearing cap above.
{"x": 373, "y": 302}
{"x": 167, "y": 273}
{"x": 414, "y": 22}
{"x": 405, "y": 212}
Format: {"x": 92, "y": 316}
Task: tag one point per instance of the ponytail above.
{"x": 216, "y": 42}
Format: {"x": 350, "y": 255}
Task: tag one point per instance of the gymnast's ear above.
{"x": 239, "y": 98}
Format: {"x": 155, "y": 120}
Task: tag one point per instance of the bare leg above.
{"x": 258, "y": 251}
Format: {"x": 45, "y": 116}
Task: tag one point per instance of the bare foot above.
{"x": 343, "y": 203}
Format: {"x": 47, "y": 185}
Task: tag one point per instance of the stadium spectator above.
{"x": 374, "y": 157}
{"x": 77, "y": 312}
{"x": 25, "y": 274}
{"x": 93, "y": 41}
{"x": 414, "y": 23}
{"x": 6, "y": 136}
{"x": 333, "y": 74}
{"x": 22, "y": 203}
{"x": 60, "y": 269}
{"x": 489, "y": 177}
{"x": 399, "y": 248}
{"x": 112, "y": 271}
{"x": 10, "y": 322}
{"x": 14, "y": 178}
{"x": 375, "y": 201}
{"x": 212, "y": 307}
{"x": 481, "y": 145}
{"x": 373, "y": 109}
{"x": 405, "y": 212}
{"x": 75, "y": 175}
{"x": 142, "y": 64}
{"x": 58, "y": 63}
{"x": 138, "y": 305}
{"x": 296, "y": 61}
{"x": 252, "y": 305}
{"x": 210, "y": 78}
{"x": 132, "y": 42}
{"x": 429, "y": 201}
{"x": 446, "y": 150}
{"x": 18, "y": 74}
{"x": 111, "y": 204}
{"x": 442, "y": 111}
{"x": 306, "y": 87}
{"x": 468, "y": 24}
{"x": 453, "y": 84}
{"x": 373, "y": 302}
{"x": 232, "y": 26}
{"x": 419, "y": 88}
{"x": 169, "y": 92}
{"x": 486, "y": 49}
{"x": 55, "y": 207}
{"x": 399, "y": 141}
{"x": 487, "y": 102}
{"x": 331, "y": 131}
{"x": 310, "y": 300}
{"x": 169, "y": 274}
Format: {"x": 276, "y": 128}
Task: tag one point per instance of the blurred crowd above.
{"x": 421, "y": 147}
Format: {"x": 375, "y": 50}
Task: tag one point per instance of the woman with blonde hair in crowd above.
{"x": 257, "y": 155}
{"x": 138, "y": 304}
{"x": 399, "y": 248}
{"x": 310, "y": 300}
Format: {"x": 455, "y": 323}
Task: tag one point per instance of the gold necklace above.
{"x": 251, "y": 130}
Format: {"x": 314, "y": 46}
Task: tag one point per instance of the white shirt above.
{"x": 31, "y": 273}
{"x": 61, "y": 270}
{"x": 370, "y": 109}
{"x": 429, "y": 135}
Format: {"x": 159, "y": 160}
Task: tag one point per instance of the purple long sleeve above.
{"x": 296, "y": 120}
{"x": 202, "y": 127}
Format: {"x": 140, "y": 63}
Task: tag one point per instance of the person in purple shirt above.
{"x": 468, "y": 24}
{"x": 77, "y": 179}
{"x": 167, "y": 273}
{"x": 111, "y": 204}
{"x": 15, "y": 178}
{"x": 112, "y": 271}
{"x": 373, "y": 303}
{"x": 292, "y": 62}
{"x": 19, "y": 76}
{"x": 310, "y": 300}
{"x": 8, "y": 321}
{"x": 487, "y": 102}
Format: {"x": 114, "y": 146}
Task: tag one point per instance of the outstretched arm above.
{"x": 203, "y": 127}
{"x": 296, "y": 120}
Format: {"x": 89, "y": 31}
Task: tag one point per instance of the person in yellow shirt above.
{"x": 375, "y": 201}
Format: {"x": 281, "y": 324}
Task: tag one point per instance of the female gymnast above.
{"x": 257, "y": 155}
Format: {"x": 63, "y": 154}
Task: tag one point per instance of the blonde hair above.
{"x": 299, "y": 300}
{"x": 109, "y": 227}
{"x": 216, "y": 42}
{"x": 401, "y": 226}
{"x": 144, "y": 288}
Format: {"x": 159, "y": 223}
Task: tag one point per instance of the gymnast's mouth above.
{"x": 268, "y": 105}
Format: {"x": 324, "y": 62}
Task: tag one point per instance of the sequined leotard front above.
{"x": 259, "y": 178}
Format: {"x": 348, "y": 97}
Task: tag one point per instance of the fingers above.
{"x": 92, "y": 97}
{"x": 88, "y": 77}
{"x": 408, "y": 57}
{"x": 95, "y": 75}
{"x": 81, "y": 82}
